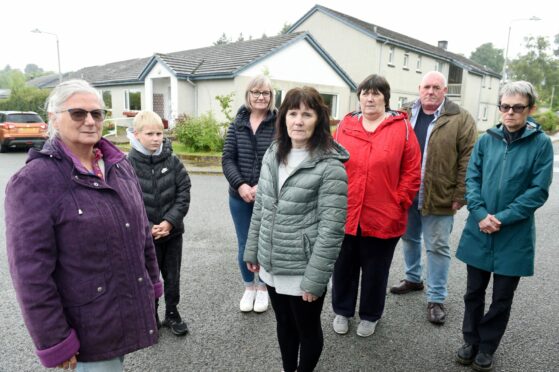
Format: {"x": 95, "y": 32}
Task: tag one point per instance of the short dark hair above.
{"x": 376, "y": 83}
{"x": 321, "y": 138}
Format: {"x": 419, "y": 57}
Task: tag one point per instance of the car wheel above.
{"x": 3, "y": 148}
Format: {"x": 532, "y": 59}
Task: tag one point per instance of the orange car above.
{"x": 21, "y": 129}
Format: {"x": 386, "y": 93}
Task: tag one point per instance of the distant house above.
{"x": 187, "y": 82}
{"x": 4, "y": 93}
{"x": 362, "y": 48}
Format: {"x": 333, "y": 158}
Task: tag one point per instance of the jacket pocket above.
{"x": 306, "y": 246}
{"x": 83, "y": 292}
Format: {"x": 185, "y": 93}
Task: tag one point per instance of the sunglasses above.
{"x": 257, "y": 93}
{"x": 80, "y": 114}
{"x": 516, "y": 108}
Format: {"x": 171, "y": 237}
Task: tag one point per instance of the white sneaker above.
{"x": 261, "y": 301}
{"x": 341, "y": 324}
{"x": 247, "y": 302}
{"x": 366, "y": 328}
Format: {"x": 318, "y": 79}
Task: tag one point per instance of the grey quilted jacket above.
{"x": 299, "y": 229}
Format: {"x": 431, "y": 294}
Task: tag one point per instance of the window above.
{"x": 132, "y": 100}
{"x": 418, "y": 64}
{"x": 402, "y": 101}
{"x": 391, "y": 56}
{"x": 406, "y": 61}
{"x": 107, "y": 98}
{"x": 279, "y": 94}
{"x": 484, "y": 112}
{"x": 331, "y": 101}
{"x": 439, "y": 66}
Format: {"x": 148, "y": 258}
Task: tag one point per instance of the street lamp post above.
{"x": 57, "y": 50}
{"x": 505, "y": 65}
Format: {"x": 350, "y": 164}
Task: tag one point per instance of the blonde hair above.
{"x": 264, "y": 82}
{"x": 146, "y": 117}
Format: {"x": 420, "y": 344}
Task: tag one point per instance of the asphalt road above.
{"x": 223, "y": 339}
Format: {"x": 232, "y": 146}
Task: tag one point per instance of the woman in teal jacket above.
{"x": 508, "y": 178}
{"x": 297, "y": 224}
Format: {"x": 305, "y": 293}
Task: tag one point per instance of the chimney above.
{"x": 443, "y": 44}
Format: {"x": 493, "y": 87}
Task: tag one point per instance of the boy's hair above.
{"x": 146, "y": 117}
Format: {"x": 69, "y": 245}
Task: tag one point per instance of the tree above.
{"x": 285, "y": 28}
{"x": 489, "y": 56}
{"x": 224, "y": 39}
{"x": 538, "y": 67}
{"x": 11, "y": 78}
{"x": 241, "y": 37}
{"x": 32, "y": 71}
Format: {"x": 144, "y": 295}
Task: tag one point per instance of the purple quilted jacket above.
{"x": 81, "y": 257}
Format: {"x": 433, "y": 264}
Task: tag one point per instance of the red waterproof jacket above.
{"x": 383, "y": 171}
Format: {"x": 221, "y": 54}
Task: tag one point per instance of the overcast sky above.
{"x": 98, "y": 32}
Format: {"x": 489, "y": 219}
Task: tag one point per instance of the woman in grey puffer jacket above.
{"x": 298, "y": 223}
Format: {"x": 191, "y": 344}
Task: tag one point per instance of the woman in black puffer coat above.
{"x": 248, "y": 138}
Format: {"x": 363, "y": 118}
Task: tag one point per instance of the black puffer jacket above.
{"x": 165, "y": 186}
{"x": 243, "y": 151}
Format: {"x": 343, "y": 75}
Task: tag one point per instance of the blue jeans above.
{"x": 109, "y": 365}
{"x": 241, "y": 212}
{"x": 436, "y": 234}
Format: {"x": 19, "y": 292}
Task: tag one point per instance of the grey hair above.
{"x": 522, "y": 88}
{"x": 260, "y": 81}
{"x": 60, "y": 94}
{"x": 435, "y": 73}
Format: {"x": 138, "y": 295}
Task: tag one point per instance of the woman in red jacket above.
{"x": 384, "y": 175}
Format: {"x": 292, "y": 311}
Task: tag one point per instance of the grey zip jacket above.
{"x": 298, "y": 230}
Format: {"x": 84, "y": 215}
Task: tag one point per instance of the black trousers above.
{"x": 299, "y": 330}
{"x": 372, "y": 258}
{"x": 169, "y": 256}
{"x": 487, "y": 329}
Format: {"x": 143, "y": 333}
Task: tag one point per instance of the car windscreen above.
{"x": 24, "y": 118}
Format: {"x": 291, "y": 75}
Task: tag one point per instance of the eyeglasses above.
{"x": 257, "y": 93}
{"x": 81, "y": 114}
{"x": 516, "y": 108}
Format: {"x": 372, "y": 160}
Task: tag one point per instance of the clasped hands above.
{"x": 489, "y": 224}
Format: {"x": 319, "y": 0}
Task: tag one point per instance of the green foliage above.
{"x": 537, "y": 66}
{"x": 26, "y": 98}
{"x": 489, "y": 56}
{"x": 548, "y": 120}
{"x": 285, "y": 28}
{"x": 224, "y": 39}
{"x": 201, "y": 134}
{"x": 225, "y": 102}
{"x": 10, "y": 78}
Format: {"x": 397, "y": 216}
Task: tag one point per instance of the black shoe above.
{"x": 175, "y": 323}
{"x": 157, "y": 321}
{"x": 483, "y": 362}
{"x": 466, "y": 354}
{"x": 436, "y": 313}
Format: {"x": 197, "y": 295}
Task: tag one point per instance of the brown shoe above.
{"x": 406, "y": 287}
{"x": 436, "y": 313}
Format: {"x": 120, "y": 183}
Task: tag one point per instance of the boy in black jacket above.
{"x": 166, "y": 189}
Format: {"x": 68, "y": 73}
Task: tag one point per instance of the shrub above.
{"x": 548, "y": 120}
{"x": 200, "y": 134}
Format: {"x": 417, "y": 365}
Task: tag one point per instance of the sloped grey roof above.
{"x": 219, "y": 61}
{"x": 383, "y": 34}
{"x": 225, "y": 59}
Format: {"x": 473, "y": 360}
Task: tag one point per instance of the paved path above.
{"x": 223, "y": 339}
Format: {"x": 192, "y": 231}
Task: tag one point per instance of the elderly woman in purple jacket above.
{"x": 80, "y": 250}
